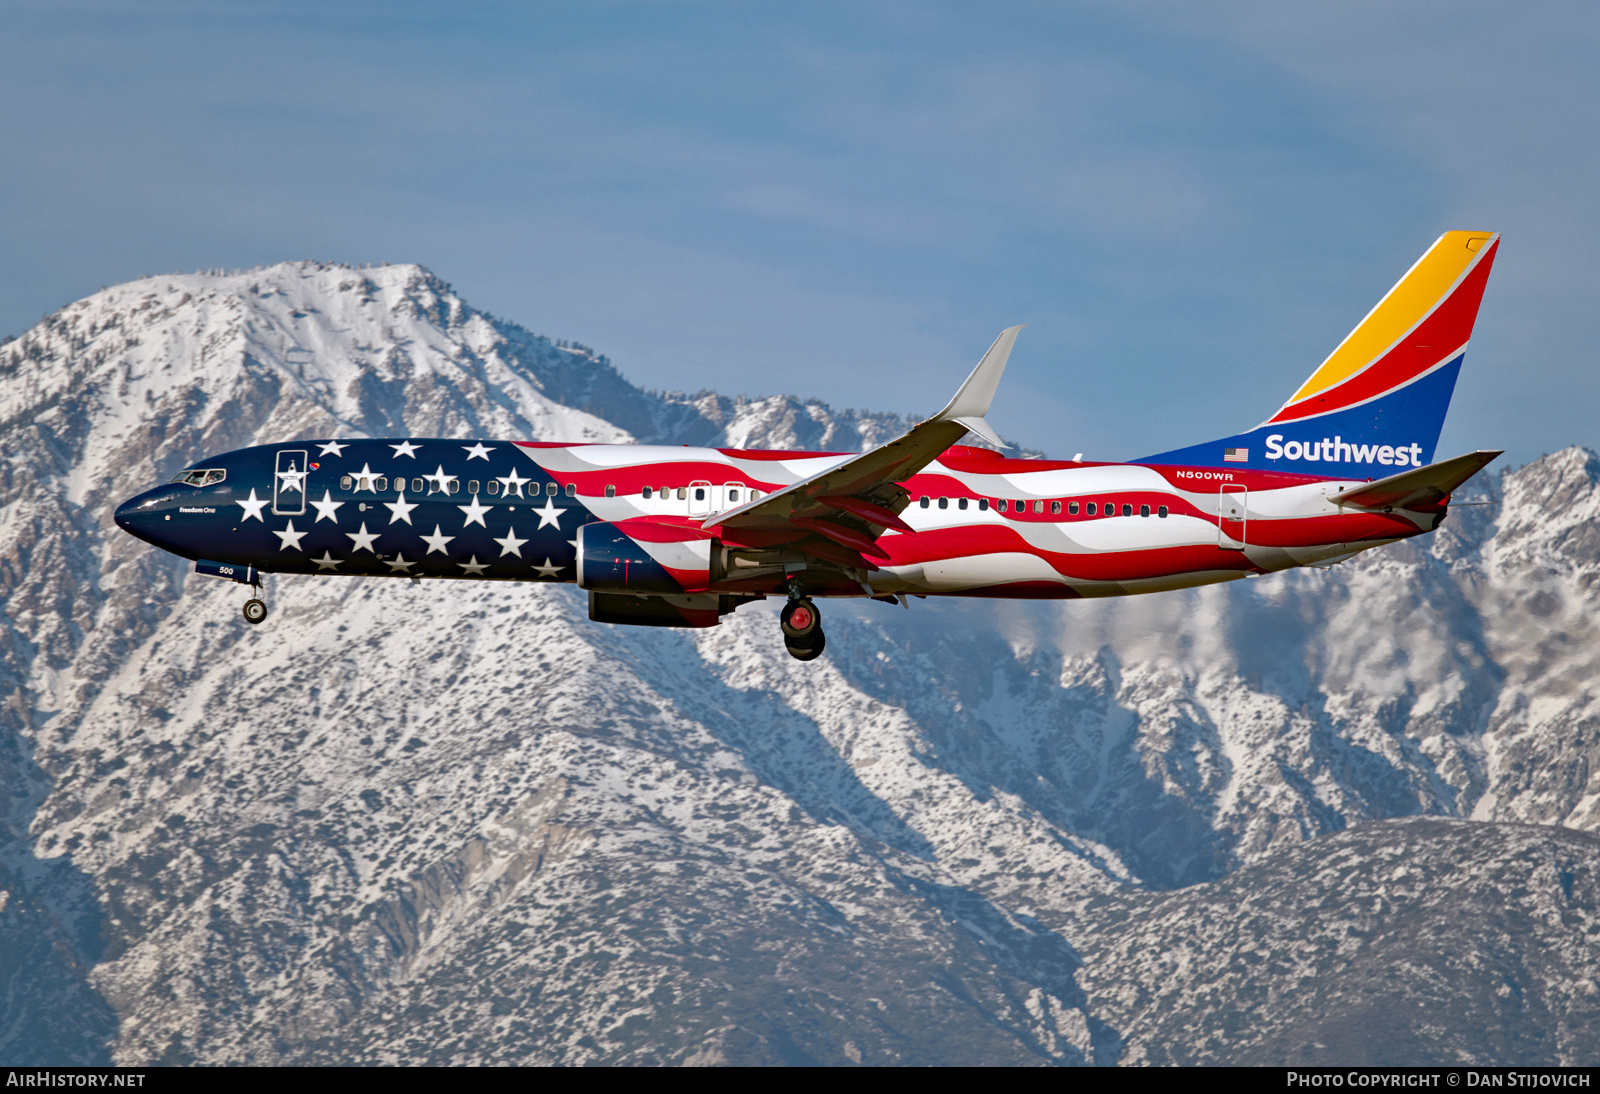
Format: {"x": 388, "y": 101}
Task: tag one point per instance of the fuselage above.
{"x": 979, "y": 524}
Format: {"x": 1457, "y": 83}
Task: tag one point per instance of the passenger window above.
{"x": 1089, "y": 508}
{"x": 1144, "y": 510}
{"x": 756, "y": 495}
{"x": 1002, "y": 505}
{"x": 550, "y": 488}
{"x": 944, "y": 503}
{"x": 1038, "y": 507}
{"x": 961, "y": 503}
{"x": 1161, "y": 511}
{"x": 733, "y": 496}
{"x": 1127, "y": 510}
{"x": 381, "y": 483}
{"x": 345, "y": 482}
{"x": 494, "y": 486}
{"x": 472, "y": 486}
{"x": 416, "y": 486}
{"x": 646, "y": 492}
{"x": 683, "y": 492}
{"x": 924, "y": 502}
{"x": 611, "y": 491}
{"x": 699, "y": 493}
{"x": 452, "y": 486}
{"x": 983, "y": 505}
{"x": 1072, "y": 508}
{"x": 1055, "y": 507}
{"x": 572, "y": 489}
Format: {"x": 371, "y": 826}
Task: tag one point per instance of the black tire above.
{"x": 800, "y": 619}
{"x": 254, "y": 610}
{"x": 810, "y": 649}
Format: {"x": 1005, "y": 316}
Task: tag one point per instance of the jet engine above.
{"x": 644, "y": 557}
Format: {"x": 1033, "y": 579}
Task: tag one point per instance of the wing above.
{"x": 1420, "y": 486}
{"x": 838, "y": 514}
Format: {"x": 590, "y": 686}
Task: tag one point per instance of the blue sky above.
{"x": 1189, "y": 204}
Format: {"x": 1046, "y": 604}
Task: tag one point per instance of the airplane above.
{"x": 682, "y": 536}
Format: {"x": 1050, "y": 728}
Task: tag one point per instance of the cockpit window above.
{"x": 204, "y": 477}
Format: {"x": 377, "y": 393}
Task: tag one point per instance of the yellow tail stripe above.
{"x": 1423, "y": 286}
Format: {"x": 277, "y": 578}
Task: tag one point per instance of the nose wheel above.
{"x": 255, "y": 609}
{"x": 802, "y": 629}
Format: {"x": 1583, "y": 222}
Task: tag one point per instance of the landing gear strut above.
{"x": 802, "y": 629}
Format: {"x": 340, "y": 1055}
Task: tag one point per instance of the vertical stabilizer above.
{"x": 1379, "y": 400}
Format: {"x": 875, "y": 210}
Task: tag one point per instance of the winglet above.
{"x": 971, "y": 403}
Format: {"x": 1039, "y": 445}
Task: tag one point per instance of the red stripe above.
{"x": 849, "y": 537}
{"x": 646, "y": 530}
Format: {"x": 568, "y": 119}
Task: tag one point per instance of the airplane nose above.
{"x": 124, "y": 514}
{"x": 141, "y": 515}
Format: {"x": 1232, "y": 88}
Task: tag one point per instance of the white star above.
{"x": 475, "y": 568}
{"x": 513, "y": 483}
{"x": 364, "y": 478}
{"x": 335, "y": 448}
{"x": 292, "y": 479}
{"x": 441, "y": 481}
{"x": 437, "y": 541}
{"x": 400, "y": 510}
{"x": 478, "y": 451}
{"x": 253, "y": 507}
{"x": 511, "y": 545}
{"x": 326, "y": 562}
{"x": 291, "y": 539}
{"x": 547, "y": 570}
{"x": 405, "y": 448}
{"x": 400, "y": 564}
{"x": 550, "y": 515}
{"x": 363, "y": 540}
{"x": 327, "y": 508}
{"x": 474, "y": 512}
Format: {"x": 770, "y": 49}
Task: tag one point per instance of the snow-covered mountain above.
{"x": 461, "y": 823}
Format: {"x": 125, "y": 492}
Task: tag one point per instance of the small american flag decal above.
{"x": 1235, "y": 455}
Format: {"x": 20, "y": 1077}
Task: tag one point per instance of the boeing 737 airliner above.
{"x": 680, "y": 537}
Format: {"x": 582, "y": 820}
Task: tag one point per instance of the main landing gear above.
{"x": 802, "y": 629}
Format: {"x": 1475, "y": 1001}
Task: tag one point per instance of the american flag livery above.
{"x": 681, "y": 536}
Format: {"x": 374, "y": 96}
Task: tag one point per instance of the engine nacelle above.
{"x": 644, "y": 557}
{"x": 701, "y": 610}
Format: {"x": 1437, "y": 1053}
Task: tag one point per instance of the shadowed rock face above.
{"x": 1421, "y": 941}
{"x": 455, "y": 823}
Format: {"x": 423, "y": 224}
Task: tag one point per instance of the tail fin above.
{"x": 1379, "y": 399}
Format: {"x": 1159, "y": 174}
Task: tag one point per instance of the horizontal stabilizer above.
{"x": 1419, "y": 486}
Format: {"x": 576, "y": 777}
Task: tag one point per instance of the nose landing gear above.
{"x": 255, "y": 609}
{"x": 802, "y": 629}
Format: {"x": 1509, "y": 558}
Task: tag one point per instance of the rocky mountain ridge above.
{"x": 408, "y": 824}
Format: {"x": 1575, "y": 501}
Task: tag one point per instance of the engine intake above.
{"x": 644, "y": 557}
